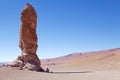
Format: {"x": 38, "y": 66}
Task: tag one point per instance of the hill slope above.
{"x": 105, "y": 59}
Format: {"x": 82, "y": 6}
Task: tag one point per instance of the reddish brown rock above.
{"x": 28, "y": 41}
{"x": 28, "y": 37}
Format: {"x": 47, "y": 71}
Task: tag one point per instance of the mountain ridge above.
{"x": 104, "y": 59}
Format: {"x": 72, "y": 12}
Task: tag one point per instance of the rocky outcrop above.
{"x": 28, "y": 41}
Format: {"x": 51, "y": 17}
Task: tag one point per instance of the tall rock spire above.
{"x": 28, "y": 41}
{"x": 28, "y": 37}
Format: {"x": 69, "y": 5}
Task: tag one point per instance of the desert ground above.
{"x": 9, "y": 74}
{"x": 97, "y": 65}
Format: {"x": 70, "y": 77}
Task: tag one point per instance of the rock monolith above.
{"x": 28, "y": 41}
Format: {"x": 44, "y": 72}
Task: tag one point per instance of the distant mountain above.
{"x": 104, "y": 59}
{"x": 1, "y": 63}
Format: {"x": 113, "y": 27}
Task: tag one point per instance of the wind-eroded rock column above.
{"x": 28, "y": 41}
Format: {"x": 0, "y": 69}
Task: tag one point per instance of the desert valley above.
{"x": 60, "y": 27}
{"x": 95, "y": 65}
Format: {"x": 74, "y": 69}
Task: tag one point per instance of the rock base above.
{"x": 29, "y": 62}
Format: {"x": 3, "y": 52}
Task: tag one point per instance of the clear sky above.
{"x": 63, "y": 26}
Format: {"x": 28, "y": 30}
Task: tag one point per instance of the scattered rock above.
{"x": 47, "y": 70}
{"x": 51, "y": 72}
{"x": 3, "y": 65}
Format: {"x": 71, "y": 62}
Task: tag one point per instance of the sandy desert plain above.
{"x": 95, "y": 65}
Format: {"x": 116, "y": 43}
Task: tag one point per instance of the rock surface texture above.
{"x": 28, "y": 41}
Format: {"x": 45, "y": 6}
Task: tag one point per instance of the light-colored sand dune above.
{"x": 99, "y": 65}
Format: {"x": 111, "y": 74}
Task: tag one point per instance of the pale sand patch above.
{"x": 9, "y": 74}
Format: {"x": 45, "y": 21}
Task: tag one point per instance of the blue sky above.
{"x": 63, "y": 26}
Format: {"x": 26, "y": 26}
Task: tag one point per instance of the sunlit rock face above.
{"x": 28, "y": 41}
{"x": 28, "y": 37}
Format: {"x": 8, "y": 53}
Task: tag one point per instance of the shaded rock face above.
{"x": 28, "y": 41}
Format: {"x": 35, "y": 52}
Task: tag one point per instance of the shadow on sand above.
{"x": 72, "y": 72}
